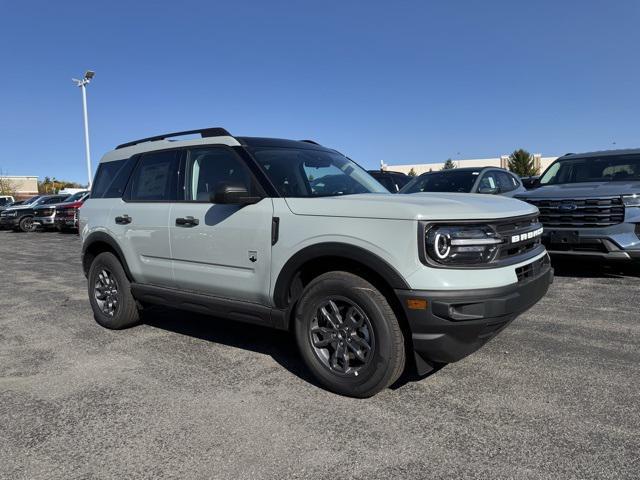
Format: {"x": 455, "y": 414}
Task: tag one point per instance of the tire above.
{"x": 113, "y": 310}
{"x": 26, "y": 225}
{"x": 361, "y": 372}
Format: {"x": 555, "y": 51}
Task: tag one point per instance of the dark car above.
{"x": 491, "y": 180}
{"x": 44, "y": 216}
{"x": 392, "y": 181}
{"x": 590, "y": 204}
{"x": 20, "y": 218}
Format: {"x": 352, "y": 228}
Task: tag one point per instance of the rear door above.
{"x": 217, "y": 249}
{"x": 140, "y": 219}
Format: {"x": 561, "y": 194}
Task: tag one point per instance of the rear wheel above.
{"x": 110, "y": 293}
{"x": 348, "y": 335}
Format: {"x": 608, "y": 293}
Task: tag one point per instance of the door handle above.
{"x": 187, "y": 221}
{"x": 123, "y": 220}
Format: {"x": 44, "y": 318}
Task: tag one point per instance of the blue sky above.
{"x": 404, "y": 82}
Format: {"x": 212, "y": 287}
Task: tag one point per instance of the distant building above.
{"x": 23, "y": 186}
{"x": 502, "y": 161}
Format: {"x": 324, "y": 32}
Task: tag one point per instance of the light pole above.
{"x": 83, "y": 86}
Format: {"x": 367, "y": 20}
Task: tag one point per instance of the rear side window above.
{"x": 104, "y": 176}
{"x": 155, "y": 178}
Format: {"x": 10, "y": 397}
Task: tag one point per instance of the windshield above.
{"x": 450, "y": 181}
{"x": 314, "y": 173}
{"x": 31, "y": 200}
{"x": 75, "y": 197}
{"x": 610, "y": 168}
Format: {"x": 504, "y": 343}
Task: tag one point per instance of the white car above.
{"x": 296, "y": 236}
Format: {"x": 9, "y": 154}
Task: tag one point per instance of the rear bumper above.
{"x": 455, "y": 324}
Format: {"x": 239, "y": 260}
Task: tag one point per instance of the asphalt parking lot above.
{"x": 556, "y": 395}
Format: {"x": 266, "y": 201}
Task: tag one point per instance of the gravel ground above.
{"x": 556, "y": 395}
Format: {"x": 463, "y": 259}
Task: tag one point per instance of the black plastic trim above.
{"x": 238, "y": 310}
{"x": 102, "y": 237}
{"x": 275, "y": 230}
{"x": 333, "y": 249}
{"x": 204, "y": 133}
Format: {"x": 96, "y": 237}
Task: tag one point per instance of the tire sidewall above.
{"x": 369, "y": 376}
{"x": 109, "y": 262}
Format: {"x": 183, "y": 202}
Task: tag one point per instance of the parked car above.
{"x": 590, "y": 204}
{"x": 530, "y": 182}
{"x": 9, "y": 205}
{"x": 44, "y": 216}
{"x": 6, "y": 200}
{"x": 20, "y": 218}
{"x": 67, "y": 213}
{"x": 392, "y": 181}
{"x": 232, "y": 226}
{"x": 489, "y": 180}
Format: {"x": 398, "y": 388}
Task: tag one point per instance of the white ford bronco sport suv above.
{"x": 296, "y": 236}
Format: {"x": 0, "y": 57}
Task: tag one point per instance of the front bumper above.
{"x": 44, "y": 221}
{"x": 617, "y": 242}
{"x": 66, "y": 222}
{"x": 456, "y": 323}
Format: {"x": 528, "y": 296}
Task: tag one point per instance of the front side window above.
{"x": 452, "y": 181}
{"x": 506, "y": 181}
{"x": 154, "y": 179}
{"x": 314, "y": 173}
{"x": 207, "y": 169}
{"x": 610, "y": 168}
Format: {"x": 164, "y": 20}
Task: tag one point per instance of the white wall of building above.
{"x": 502, "y": 161}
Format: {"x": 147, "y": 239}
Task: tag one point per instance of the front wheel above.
{"x": 348, "y": 335}
{"x": 26, "y": 224}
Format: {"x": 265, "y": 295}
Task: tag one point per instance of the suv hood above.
{"x": 415, "y": 206}
{"x": 579, "y": 190}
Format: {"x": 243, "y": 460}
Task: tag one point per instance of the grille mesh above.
{"x": 586, "y": 212}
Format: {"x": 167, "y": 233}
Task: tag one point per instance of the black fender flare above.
{"x": 103, "y": 237}
{"x": 349, "y": 252}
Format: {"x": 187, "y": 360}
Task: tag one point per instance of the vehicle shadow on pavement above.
{"x": 594, "y": 268}
{"x": 278, "y": 344}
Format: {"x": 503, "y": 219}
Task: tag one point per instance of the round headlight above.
{"x": 442, "y": 245}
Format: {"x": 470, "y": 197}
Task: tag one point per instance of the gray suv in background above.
{"x": 590, "y": 205}
{"x": 487, "y": 180}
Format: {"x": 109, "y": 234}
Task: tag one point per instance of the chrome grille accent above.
{"x": 577, "y": 213}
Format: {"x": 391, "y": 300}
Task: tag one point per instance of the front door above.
{"x": 217, "y": 249}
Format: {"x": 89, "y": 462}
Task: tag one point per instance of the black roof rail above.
{"x": 310, "y": 141}
{"x": 204, "y": 133}
{"x": 570, "y": 153}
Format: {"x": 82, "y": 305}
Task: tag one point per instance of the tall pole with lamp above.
{"x": 89, "y": 74}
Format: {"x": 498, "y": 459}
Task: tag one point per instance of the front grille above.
{"x": 515, "y": 228}
{"x": 532, "y": 269}
{"x": 577, "y": 213}
{"x": 66, "y": 212}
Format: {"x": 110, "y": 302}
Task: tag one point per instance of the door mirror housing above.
{"x": 228, "y": 194}
{"x": 489, "y": 190}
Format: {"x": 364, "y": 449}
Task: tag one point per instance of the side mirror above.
{"x": 227, "y": 194}
{"x": 489, "y": 190}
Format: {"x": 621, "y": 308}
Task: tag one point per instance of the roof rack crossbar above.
{"x": 311, "y": 141}
{"x": 204, "y": 133}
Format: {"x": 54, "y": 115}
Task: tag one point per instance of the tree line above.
{"x": 521, "y": 163}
